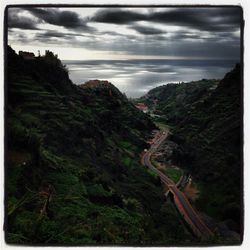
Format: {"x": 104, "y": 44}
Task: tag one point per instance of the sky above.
{"x": 127, "y": 33}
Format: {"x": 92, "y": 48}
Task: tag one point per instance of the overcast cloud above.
{"x": 161, "y": 32}
{"x": 208, "y": 19}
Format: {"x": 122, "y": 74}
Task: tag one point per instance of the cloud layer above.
{"x": 20, "y": 22}
{"x": 209, "y": 19}
{"x": 66, "y": 19}
{"x": 200, "y": 32}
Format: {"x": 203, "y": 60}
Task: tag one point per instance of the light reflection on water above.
{"x": 136, "y": 77}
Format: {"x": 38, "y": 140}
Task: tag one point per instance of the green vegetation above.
{"x": 205, "y": 121}
{"x": 175, "y": 101}
{"x": 162, "y": 126}
{"x": 73, "y": 167}
{"x": 173, "y": 174}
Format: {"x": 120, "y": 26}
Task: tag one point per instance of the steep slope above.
{"x": 173, "y": 101}
{"x": 212, "y": 137}
{"x": 72, "y": 163}
{"x": 205, "y": 117}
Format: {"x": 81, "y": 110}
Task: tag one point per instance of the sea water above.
{"x": 136, "y": 77}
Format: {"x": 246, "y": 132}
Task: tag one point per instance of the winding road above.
{"x": 183, "y": 205}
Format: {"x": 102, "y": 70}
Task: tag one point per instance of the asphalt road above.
{"x": 192, "y": 218}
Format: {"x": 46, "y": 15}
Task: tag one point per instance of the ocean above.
{"x": 136, "y": 77}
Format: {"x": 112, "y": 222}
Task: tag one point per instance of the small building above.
{"x": 27, "y": 55}
{"x": 141, "y": 106}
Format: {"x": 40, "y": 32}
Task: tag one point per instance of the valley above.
{"x": 85, "y": 165}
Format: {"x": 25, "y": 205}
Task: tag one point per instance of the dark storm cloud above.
{"x": 117, "y": 16}
{"x": 181, "y": 35}
{"x": 21, "y": 22}
{"x": 147, "y": 30}
{"x": 50, "y": 34}
{"x": 53, "y": 34}
{"x": 208, "y": 19}
{"x": 66, "y": 19}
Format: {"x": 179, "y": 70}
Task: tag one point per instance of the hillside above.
{"x": 214, "y": 125}
{"x": 174, "y": 101}
{"x": 205, "y": 118}
{"x": 72, "y": 167}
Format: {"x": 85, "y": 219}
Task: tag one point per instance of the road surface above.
{"x": 183, "y": 205}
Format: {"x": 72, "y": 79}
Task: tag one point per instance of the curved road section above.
{"x": 183, "y": 205}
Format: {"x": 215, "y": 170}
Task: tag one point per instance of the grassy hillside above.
{"x": 72, "y": 166}
{"x": 205, "y": 118}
